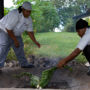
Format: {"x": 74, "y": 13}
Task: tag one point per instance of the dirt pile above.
{"x": 75, "y": 79}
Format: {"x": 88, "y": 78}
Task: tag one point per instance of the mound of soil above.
{"x": 75, "y": 79}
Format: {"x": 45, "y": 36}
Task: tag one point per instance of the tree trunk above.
{"x": 1, "y": 8}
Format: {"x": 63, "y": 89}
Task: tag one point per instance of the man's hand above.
{"x": 69, "y": 58}
{"x": 13, "y": 37}
{"x": 38, "y": 44}
{"x": 16, "y": 44}
{"x": 31, "y": 35}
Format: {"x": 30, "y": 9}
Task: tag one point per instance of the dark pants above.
{"x": 86, "y": 52}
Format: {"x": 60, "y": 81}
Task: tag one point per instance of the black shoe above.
{"x": 28, "y": 66}
{"x": 88, "y": 73}
{"x": 0, "y": 71}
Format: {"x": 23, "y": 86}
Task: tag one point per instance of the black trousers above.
{"x": 86, "y": 52}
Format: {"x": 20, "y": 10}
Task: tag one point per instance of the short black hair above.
{"x": 20, "y": 9}
{"x": 81, "y": 24}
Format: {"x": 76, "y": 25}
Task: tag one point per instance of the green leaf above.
{"x": 46, "y": 76}
{"x": 34, "y": 81}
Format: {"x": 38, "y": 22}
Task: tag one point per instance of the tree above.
{"x": 50, "y": 16}
{"x": 1, "y": 8}
{"x": 69, "y": 8}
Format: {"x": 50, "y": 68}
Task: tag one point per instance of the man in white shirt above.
{"x": 11, "y": 27}
{"x": 83, "y": 31}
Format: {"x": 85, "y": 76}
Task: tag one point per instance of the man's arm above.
{"x": 13, "y": 37}
{"x": 64, "y": 61}
{"x": 31, "y": 35}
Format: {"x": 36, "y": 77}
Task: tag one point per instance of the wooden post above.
{"x": 1, "y": 8}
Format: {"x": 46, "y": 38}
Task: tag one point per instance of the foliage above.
{"x": 69, "y": 8}
{"x": 46, "y": 76}
{"x": 6, "y": 10}
{"x": 35, "y": 81}
{"x": 51, "y": 19}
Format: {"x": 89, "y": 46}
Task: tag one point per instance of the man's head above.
{"x": 81, "y": 26}
{"x": 26, "y": 9}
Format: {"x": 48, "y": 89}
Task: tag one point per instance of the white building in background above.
{"x": 57, "y": 30}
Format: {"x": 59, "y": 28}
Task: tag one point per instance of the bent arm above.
{"x": 11, "y": 34}
{"x": 13, "y": 37}
{"x": 31, "y": 35}
{"x": 75, "y": 53}
{"x": 64, "y": 61}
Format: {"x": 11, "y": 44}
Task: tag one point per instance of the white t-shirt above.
{"x": 17, "y": 22}
{"x": 85, "y": 40}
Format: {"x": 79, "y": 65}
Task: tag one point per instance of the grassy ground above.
{"x": 52, "y": 45}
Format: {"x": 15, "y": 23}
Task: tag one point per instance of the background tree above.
{"x": 50, "y": 15}
{"x": 69, "y": 8}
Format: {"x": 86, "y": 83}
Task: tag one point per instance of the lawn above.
{"x": 52, "y": 45}
{"x": 56, "y": 44}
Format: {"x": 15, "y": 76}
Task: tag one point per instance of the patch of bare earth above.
{"x": 76, "y": 79}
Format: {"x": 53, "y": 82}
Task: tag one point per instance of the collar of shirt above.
{"x": 87, "y": 30}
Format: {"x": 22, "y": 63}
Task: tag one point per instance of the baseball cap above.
{"x": 27, "y": 5}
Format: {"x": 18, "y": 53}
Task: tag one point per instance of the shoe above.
{"x": 88, "y": 73}
{"x": 0, "y": 70}
{"x": 28, "y": 66}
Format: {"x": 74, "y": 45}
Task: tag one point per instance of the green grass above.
{"x": 52, "y": 45}
{"x": 56, "y": 44}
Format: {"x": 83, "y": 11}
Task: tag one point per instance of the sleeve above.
{"x": 12, "y": 20}
{"x": 30, "y": 26}
{"x": 83, "y": 42}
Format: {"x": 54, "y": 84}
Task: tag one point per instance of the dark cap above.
{"x": 80, "y": 24}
